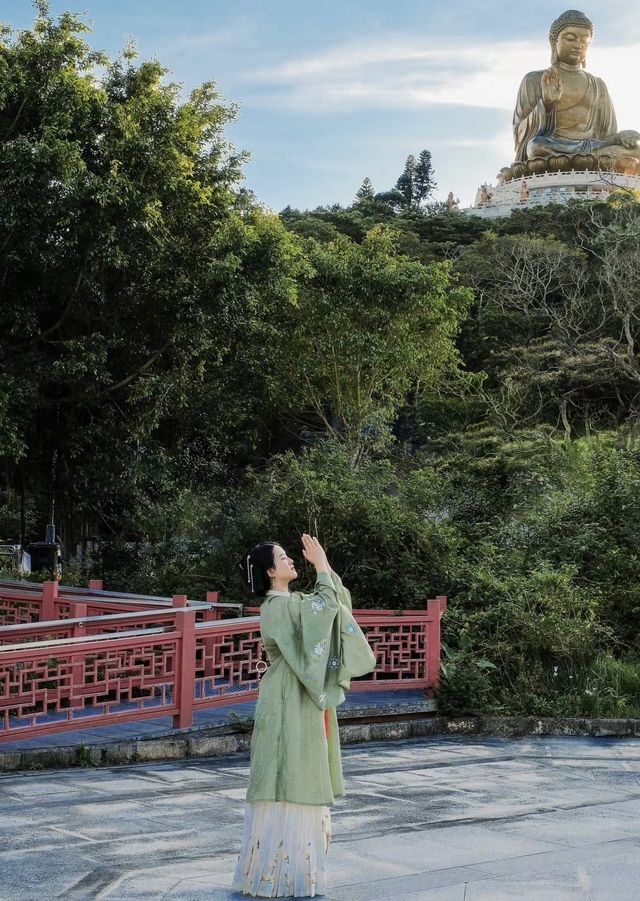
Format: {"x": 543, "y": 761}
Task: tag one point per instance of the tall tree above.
{"x": 365, "y": 191}
{"x": 370, "y": 325}
{"x": 121, "y": 227}
{"x": 424, "y": 183}
{"x": 406, "y": 183}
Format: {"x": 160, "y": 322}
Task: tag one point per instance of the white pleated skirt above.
{"x": 284, "y": 850}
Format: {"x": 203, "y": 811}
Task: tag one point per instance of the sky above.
{"x": 331, "y": 91}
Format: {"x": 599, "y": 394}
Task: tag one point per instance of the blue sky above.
{"x": 331, "y": 91}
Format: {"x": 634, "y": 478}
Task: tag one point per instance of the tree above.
{"x": 387, "y": 204}
{"x": 424, "y": 182}
{"x": 365, "y": 191}
{"x": 370, "y": 325}
{"x": 416, "y": 184}
{"x": 405, "y": 184}
{"x": 121, "y": 229}
{"x": 612, "y": 235}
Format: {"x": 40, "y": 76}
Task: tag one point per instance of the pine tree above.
{"x": 406, "y": 183}
{"x": 365, "y": 191}
{"x": 424, "y": 183}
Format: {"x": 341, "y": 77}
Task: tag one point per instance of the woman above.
{"x": 315, "y": 647}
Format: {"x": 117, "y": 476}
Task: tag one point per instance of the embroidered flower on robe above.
{"x": 334, "y": 663}
{"x": 318, "y": 604}
{"x": 321, "y": 647}
{"x": 351, "y": 628}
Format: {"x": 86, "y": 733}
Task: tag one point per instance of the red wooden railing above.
{"x": 31, "y": 602}
{"x": 95, "y": 671}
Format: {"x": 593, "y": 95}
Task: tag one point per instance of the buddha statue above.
{"x": 564, "y": 117}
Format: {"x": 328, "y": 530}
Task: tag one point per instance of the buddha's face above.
{"x": 572, "y": 45}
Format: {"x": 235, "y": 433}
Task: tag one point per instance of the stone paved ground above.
{"x": 444, "y": 819}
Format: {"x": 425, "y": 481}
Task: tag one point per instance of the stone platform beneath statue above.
{"x": 530, "y": 191}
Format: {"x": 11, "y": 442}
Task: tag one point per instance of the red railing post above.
{"x": 96, "y": 585}
{"x": 213, "y": 597}
{"x": 78, "y": 610}
{"x": 210, "y": 644}
{"x": 49, "y": 598}
{"x": 435, "y": 608}
{"x": 185, "y": 663}
{"x": 76, "y": 697}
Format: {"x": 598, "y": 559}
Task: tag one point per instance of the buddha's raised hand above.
{"x": 551, "y": 87}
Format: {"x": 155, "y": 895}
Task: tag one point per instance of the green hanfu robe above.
{"x": 315, "y": 647}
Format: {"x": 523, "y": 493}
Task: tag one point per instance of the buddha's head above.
{"x": 570, "y": 36}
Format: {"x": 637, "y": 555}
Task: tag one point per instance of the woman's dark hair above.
{"x": 257, "y": 562}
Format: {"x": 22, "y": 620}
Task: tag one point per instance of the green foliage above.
{"x": 424, "y": 181}
{"x": 370, "y": 325}
{"x": 406, "y": 183}
{"x": 380, "y": 522}
{"x": 365, "y": 191}
{"x": 465, "y": 683}
{"x": 518, "y": 636}
{"x": 417, "y": 182}
{"x": 547, "y": 582}
{"x": 590, "y": 517}
{"x": 131, "y": 271}
{"x": 83, "y": 756}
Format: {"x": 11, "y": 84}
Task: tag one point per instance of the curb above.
{"x": 218, "y": 743}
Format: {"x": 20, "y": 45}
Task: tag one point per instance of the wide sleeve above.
{"x": 356, "y": 656}
{"x": 343, "y": 593}
{"x": 302, "y": 626}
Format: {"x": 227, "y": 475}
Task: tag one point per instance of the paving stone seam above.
{"x": 424, "y": 826}
{"x": 468, "y": 870}
{"x": 94, "y": 881}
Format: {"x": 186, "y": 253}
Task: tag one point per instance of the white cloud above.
{"x": 404, "y": 72}
{"x": 230, "y": 34}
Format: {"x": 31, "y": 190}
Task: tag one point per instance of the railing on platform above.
{"x": 87, "y": 671}
{"x": 22, "y": 603}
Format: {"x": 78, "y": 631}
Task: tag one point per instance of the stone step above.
{"x": 223, "y": 740}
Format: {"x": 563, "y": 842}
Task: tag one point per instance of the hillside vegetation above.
{"x": 452, "y": 406}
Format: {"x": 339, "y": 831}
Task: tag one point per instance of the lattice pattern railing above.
{"x": 72, "y": 683}
{"x": 174, "y": 666}
{"x": 14, "y": 611}
{"x": 400, "y": 650}
{"x": 225, "y": 663}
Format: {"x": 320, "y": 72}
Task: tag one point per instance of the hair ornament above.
{"x": 250, "y": 571}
